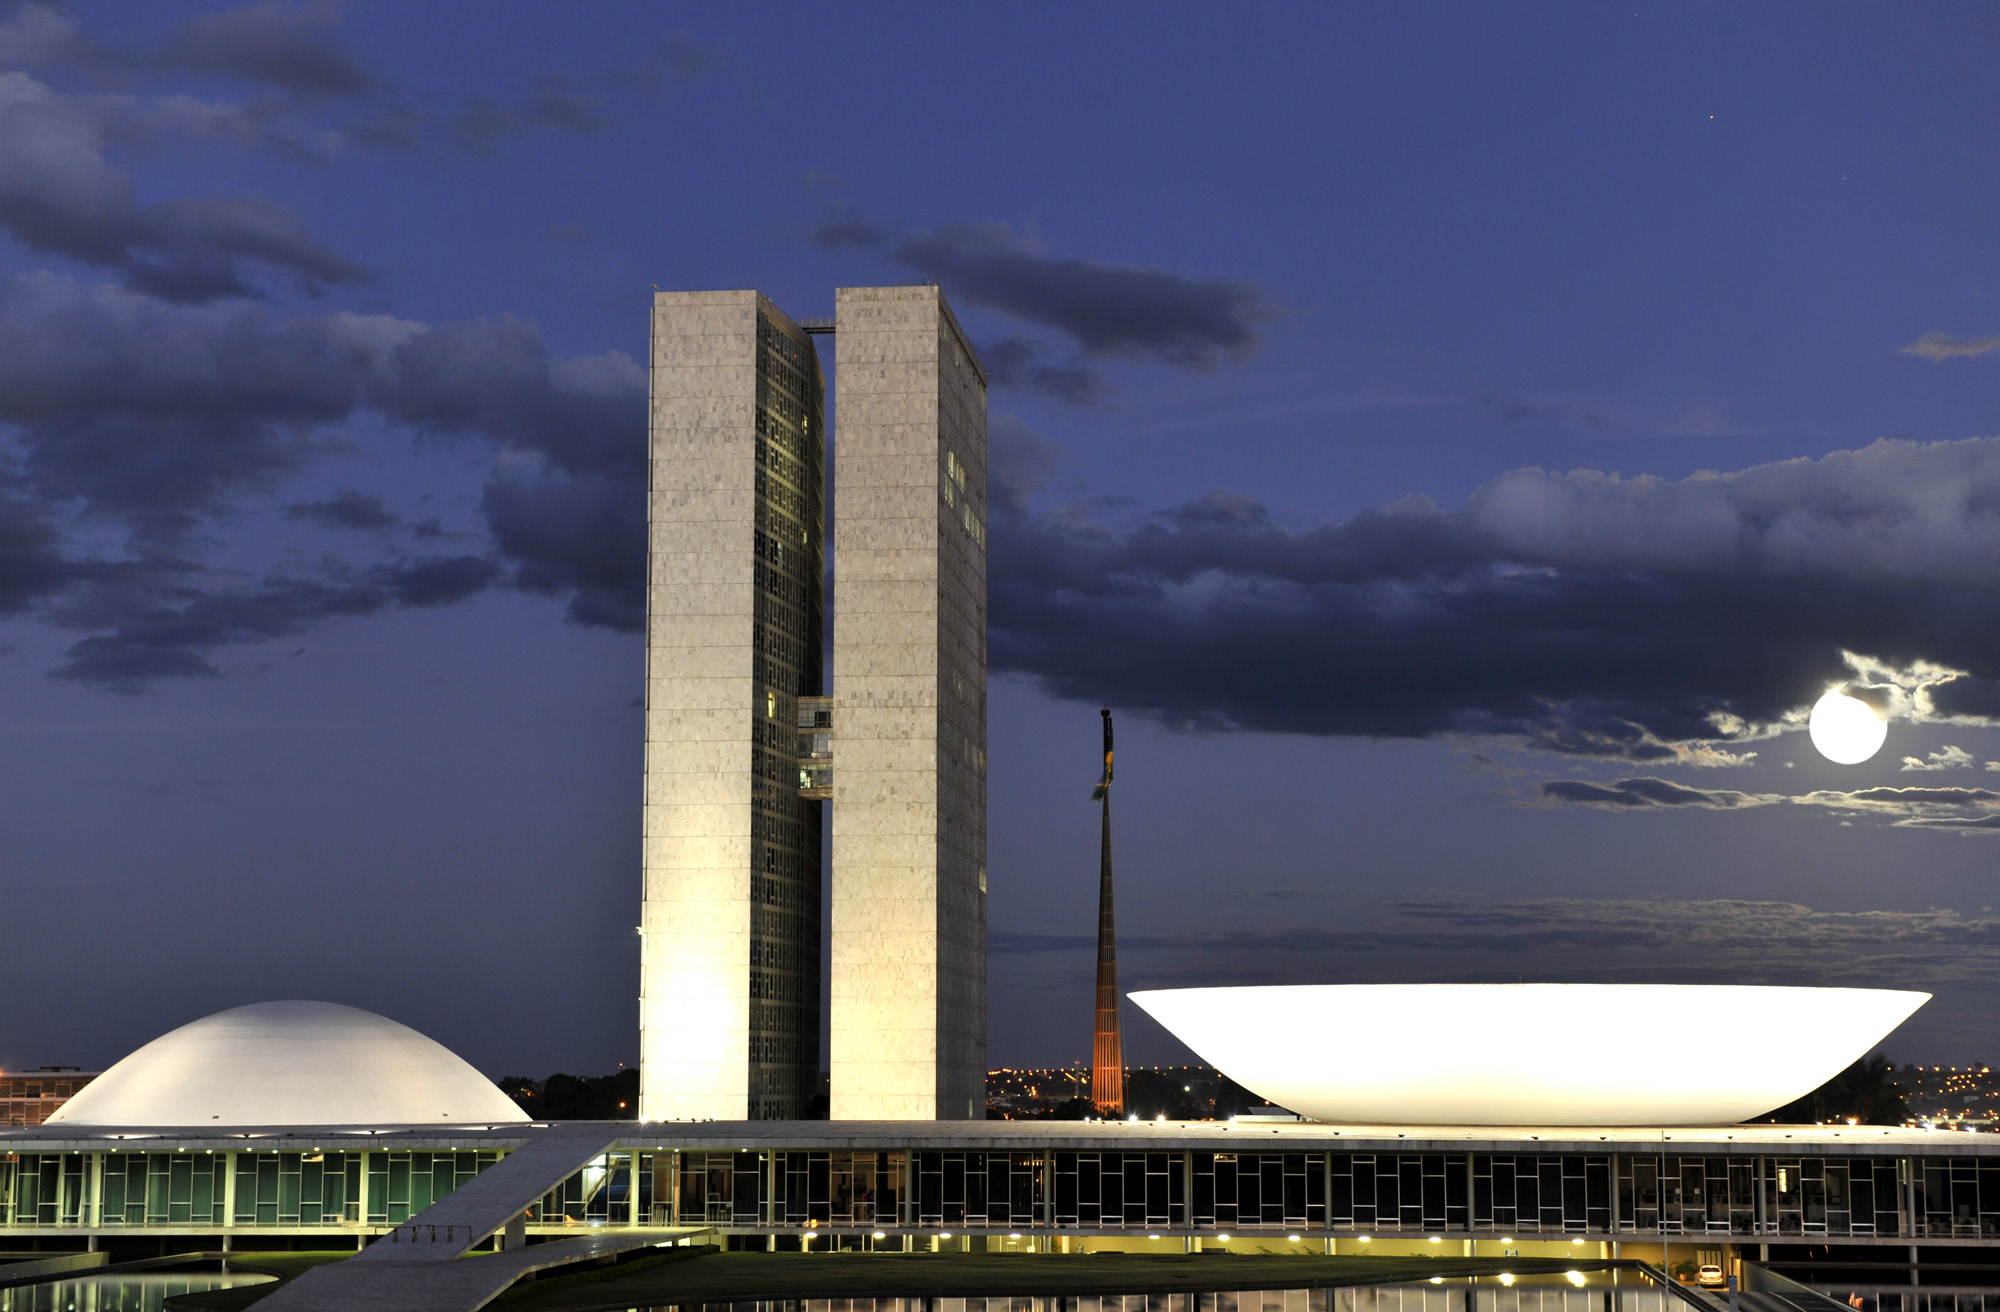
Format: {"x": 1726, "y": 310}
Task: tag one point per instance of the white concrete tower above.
{"x": 909, "y": 782}
{"x": 729, "y": 980}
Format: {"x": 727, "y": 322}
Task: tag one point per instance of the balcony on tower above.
{"x": 815, "y": 747}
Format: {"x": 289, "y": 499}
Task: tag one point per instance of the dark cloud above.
{"x": 59, "y": 195}
{"x": 1974, "y": 700}
{"x": 177, "y": 641}
{"x": 347, "y": 509}
{"x": 553, "y": 104}
{"x": 33, "y": 567}
{"x": 1016, "y": 362}
{"x": 1584, "y": 613}
{"x": 297, "y": 47}
{"x": 1018, "y": 463}
{"x": 1645, "y": 794}
{"x": 581, "y": 536}
{"x": 1109, "y": 310}
{"x": 123, "y": 411}
{"x": 312, "y": 98}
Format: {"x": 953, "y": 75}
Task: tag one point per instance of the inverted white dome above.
{"x": 290, "y": 1063}
{"x": 1529, "y": 1054}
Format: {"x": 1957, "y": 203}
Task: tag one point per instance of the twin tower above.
{"x": 741, "y": 729}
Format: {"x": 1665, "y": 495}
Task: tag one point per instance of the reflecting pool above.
{"x": 120, "y": 1293}
{"x": 1452, "y": 1295}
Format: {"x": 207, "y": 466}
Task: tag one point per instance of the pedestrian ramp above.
{"x": 425, "y": 1264}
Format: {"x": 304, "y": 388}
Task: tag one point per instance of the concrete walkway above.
{"x": 422, "y": 1263}
{"x": 488, "y": 1201}
{"x": 424, "y": 1285}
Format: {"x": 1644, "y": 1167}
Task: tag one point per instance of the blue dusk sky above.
{"x": 1461, "y": 442}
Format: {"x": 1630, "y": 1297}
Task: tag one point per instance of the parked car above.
{"x": 1710, "y": 1277}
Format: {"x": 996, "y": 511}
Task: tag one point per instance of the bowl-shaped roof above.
{"x": 290, "y": 1063}
{"x": 1530, "y": 1054}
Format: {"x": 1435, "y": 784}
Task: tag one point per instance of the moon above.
{"x": 1846, "y": 729}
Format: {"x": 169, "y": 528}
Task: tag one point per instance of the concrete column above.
{"x": 632, "y": 1187}
{"x": 516, "y": 1235}
{"x": 94, "y": 1203}
{"x": 229, "y": 1189}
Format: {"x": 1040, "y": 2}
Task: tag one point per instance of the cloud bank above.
{"x": 1643, "y": 619}
{"x": 154, "y": 422}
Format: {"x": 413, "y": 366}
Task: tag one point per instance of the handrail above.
{"x": 1691, "y": 1297}
{"x": 1769, "y": 1281}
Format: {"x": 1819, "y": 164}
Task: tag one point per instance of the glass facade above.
{"x": 815, "y": 746}
{"x": 283, "y": 1189}
{"x": 1772, "y": 1198}
{"x": 788, "y": 654}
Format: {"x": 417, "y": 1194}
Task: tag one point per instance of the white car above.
{"x": 1709, "y": 1277}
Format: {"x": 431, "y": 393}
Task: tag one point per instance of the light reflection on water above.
{"x": 1452, "y": 1296}
{"x": 125, "y": 1293}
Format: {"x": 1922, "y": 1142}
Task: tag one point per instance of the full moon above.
{"x": 1846, "y": 729}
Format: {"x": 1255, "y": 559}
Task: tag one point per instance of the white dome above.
{"x": 1529, "y": 1054}
{"x": 290, "y": 1063}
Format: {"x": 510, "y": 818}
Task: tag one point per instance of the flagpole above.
{"x": 1107, "y": 1074}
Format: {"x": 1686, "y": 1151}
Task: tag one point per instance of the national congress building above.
{"x": 740, "y": 725}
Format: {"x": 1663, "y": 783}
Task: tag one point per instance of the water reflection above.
{"x": 1456, "y": 1295}
{"x": 128, "y": 1293}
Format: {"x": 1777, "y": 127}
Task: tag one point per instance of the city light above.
{"x": 1574, "y": 1277}
{"x": 1506, "y": 1277}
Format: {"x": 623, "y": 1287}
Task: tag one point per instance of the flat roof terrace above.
{"x": 1241, "y": 1135}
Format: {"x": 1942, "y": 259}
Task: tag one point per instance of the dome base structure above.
{"x": 290, "y": 1063}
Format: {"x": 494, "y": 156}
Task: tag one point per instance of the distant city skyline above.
{"x": 1459, "y": 444}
